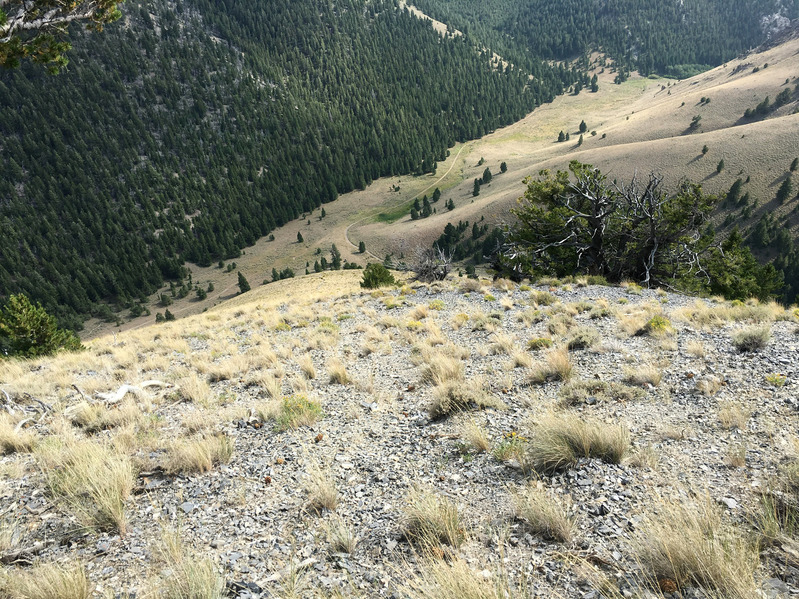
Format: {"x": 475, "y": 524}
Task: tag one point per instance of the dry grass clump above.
{"x": 455, "y": 579}
{"x": 13, "y": 440}
{"x": 337, "y": 371}
{"x": 709, "y": 385}
{"x": 340, "y": 536}
{"x": 558, "y": 441}
{"x": 537, "y": 343}
{"x": 643, "y": 375}
{"x": 97, "y": 417}
{"x": 503, "y": 344}
{"x": 752, "y": 339}
{"x": 93, "y": 482}
{"x": 556, "y": 366}
{"x": 485, "y": 322}
{"x": 582, "y": 338}
{"x": 458, "y": 396}
{"x": 196, "y": 389}
{"x": 439, "y": 368}
{"x": 47, "y": 581}
{"x": 292, "y": 412}
{"x": 644, "y": 457}
{"x": 306, "y": 366}
{"x": 199, "y": 455}
{"x": 543, "y": 514}
{"x": 431, "y": 520}
{"x": 542, "y": 298}
{"x": 190, "y": 576}
{"x": 561, "y": 324}
{"x": 734, "y": 415}
{"x": 475, "y": 436}
{"x": 576, "y": 392}
{"x": 321, "y": 489}
{"x": 471, "y": 285}
{"x": 690, "y": 545}
{"x": 696, "y": 349}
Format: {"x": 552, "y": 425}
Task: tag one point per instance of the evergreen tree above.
{"x": 720, "y": 166}
{"x": 503, "y": 167}
{"x": 299, "y": 237}
{"x": 168, "y": 315}
{"x": 361, "y": 247}
{"x": 244, "y": 285}
{"x": 28, "y": 331}
{"x": 476, "y": 188}
{"x": 414, "y": 214}
{"x": 487, "y": 175}
{"x": 785, "y": 190}
{"x": 580, "y": 141}
{"x": 583, "y": 127}
{"x": 561, "y": 136}
{"x": 436, "y": 195}
{"x": 794, "y": 164}
{"x": 594, "y": 84}
{"x": 335, "y": 258}
{"x": 322, "y": 214}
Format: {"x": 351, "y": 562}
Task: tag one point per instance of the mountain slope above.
{"x": 189, "y": 130}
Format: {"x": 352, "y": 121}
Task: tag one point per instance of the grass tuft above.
{"x": 92, "y": 480}
{"x": 459, "y": 396}
{"x": 200, "y": 455}
{"x": 190, "y": 576}
{"x": 752, "y": 339}
{"x": 12, "y": 440}
{"x": 47, "y": 581}
{"x": 432, "y": 520}
{"x": 558, "y": 441}
{"x": 556, "y": 366}
{"x": 543, "y": 514}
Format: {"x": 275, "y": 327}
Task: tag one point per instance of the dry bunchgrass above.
{"x": 691, "y": 545}
{"x": 644, "y": 457}
{"x": 709, "y": 385}
{"x": 752, "y": 338}
{"x": 455, "y": 579}
{"x": 643, "y": 375}
{"x": 13, "y": 440}
{"x": 271, "y": 384}
{"x": 543, "y": 513}
{"x": 93, "y": 482}
{"x": 475, "y": 435}
{"x": 733, "y": 415}
{"x": 520, "y": 359}
{"x": 431, "y": 520}
{"x": 307, "y": 367}
{"x": 583, "y": 338}
{"x": 337, "y": 372}
{"x": 558, "y": 441}
{"x": 231, "y": 368}
{"x": 320, "y": 488}
{"x": 97, "y": 417}
{"x": 439, "y": 368}
{"x": 195, "y": 456}
{"x": 458, "y": 396}
{"x": 196, "y": 389}
{"x": 340, "y": 536}
{"x": 556, "y": 366}
{"x": 190, "y": 576}
{"x": 560, "y": 324}
{"x": 47, "y": 581}
{"x": 695, "y": 348}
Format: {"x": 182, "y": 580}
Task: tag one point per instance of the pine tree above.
{"x": 476, "y": 188}
{"x": 583, "y": 127}
{"x": 299, "y": 237}
{"x": 487, "y": 176}
{"x": 361, "y": 247}
{"x": 561, "y": 136}
{"x": 436, "y": 195}
{"x": 794, "y": 164}
{"x": 503, "y": 168}
{"x": 168, "y": 315}
{"x": 784, "y": 192}
{"x": 720, "y": 166}
{"x": 335, "y": 257}
{"x": 244, "y": 285}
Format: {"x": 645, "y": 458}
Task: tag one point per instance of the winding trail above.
{"x": 377, "y": 211}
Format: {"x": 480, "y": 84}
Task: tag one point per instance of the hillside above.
{"x": 303, "y": 440}
{"x": 186, "y": 131}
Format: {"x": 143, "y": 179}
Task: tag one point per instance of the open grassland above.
{"x": 466, "y": 438}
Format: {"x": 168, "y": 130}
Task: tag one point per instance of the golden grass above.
{"x": 583, "y": 338}
{"x": 457, "y": 396}
{"x": 439, "y": 368}
{"x": 692, "y": 545}
{"x": 291, "y": 412}
{"x": 196, "y": 389}
{"x": 320, "y": 488}
{"x": 195, "y": 456}
{"x": 752, "y": 338}
{"x": 502, "y": 344}
{"x": 643, "y": 375}
{"x": 190, "y": 576}
{"x": 97, "y": 417}
{"x": 455, "y": 579}
{"x": 307, "y": 367}
{"x": 340, "y": 536}
{"x": 475, "y": 436}
{"x": 695, "y": 348}
{"x": 556, "y": 366}
{"x": 91, "y": 480}
{"x": 431, "y": 520}
{"x": 709, "y": 385}
{"x": 543, "y": 513}
{"x": 12, "y": 440}
{"x": 337, "y": 372}
{"x": 47, "y": 581}
{"x": 558, "y": 441}
{"x": 734, "y": 415}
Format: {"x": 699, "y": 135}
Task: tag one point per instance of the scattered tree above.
{"x": 561, "y": 136}
{"x": 785, "y": 190}
{"x": 299, "y": 237}
{"x": 361, "y": 247}
{"x": 476, "y": 188}
{"x": 376, "y": 275}
{"x": 580, "y": 141}
{"x": 487, "y": 176}
{"x": 244, "y": 285}
{"x": 583, "y": 127}
{"x": 503, "y": 167}
{"x": 704, "y": 149}
{"x": 168, "y": 315}
{"x": 720, "y": 166}
{"x": 794, "y": 164}
{"x": 436, "y": 195}
{"x": 335, "y": 258}
{"x": 431, "y": 264}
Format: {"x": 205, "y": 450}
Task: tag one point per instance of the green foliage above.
{"x": 785, "y": 190}
{"x": 299, "y": 237}
{"x": 28, "y": 331}
{"x": 583, "y": 127}
{"x": 361, "y": 247}
{"x": 720, "y": 166}
{"x": 476, "y": 188}
{"x": 36, "y": 29}
{"x": 585, "y": 225}
{"x": 487, "y": 176}
{"x": 335, "y": 258}
{"x": 244, "y": 285}
{"x": 376, "y": 275}
{"x": 503, "y": 167}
